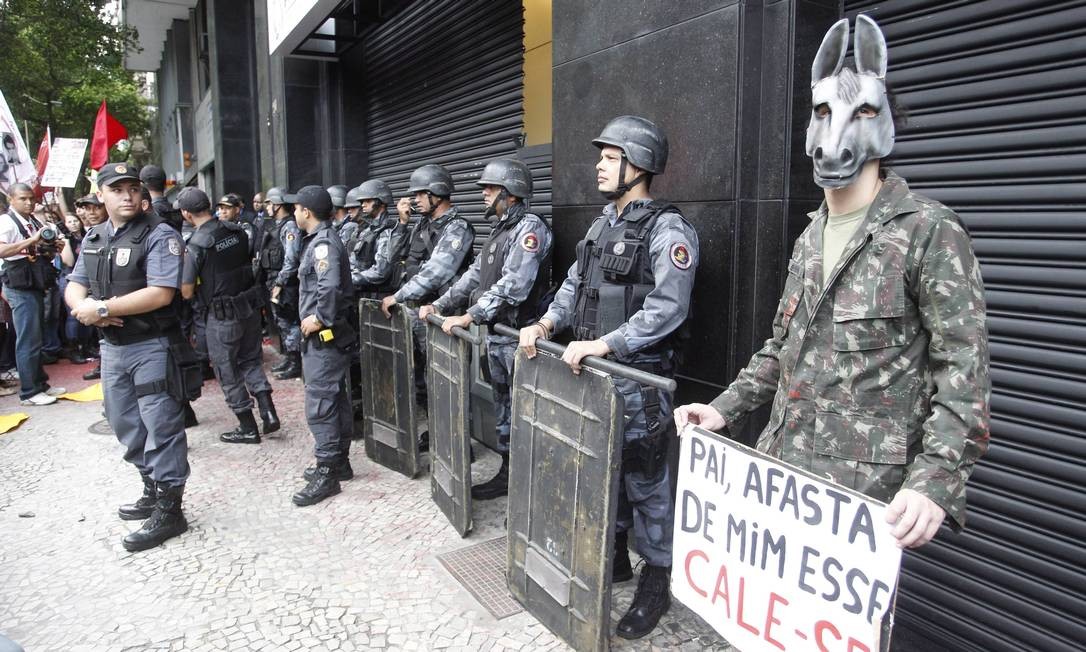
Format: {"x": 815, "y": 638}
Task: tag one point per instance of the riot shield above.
{"x": 565, "y": 454}
{"x": 448, "y": 381}
{"x": 388, "y": 387}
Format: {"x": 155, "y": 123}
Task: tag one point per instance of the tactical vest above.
{"x": 271, "y": 248}
{"x": 167, "y": 213}
{"x": 490, "y": 272}
{"x": 119, "y": 267}
{"x": 33, "y": 271}
{"x": 226, "y": 269}
{"x": 615, "y": 273}
{"x": 424, "y": 238}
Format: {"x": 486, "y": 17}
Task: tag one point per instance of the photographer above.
{"x": 27, "y": 271}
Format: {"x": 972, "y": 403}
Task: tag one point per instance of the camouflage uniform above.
{"x": 286, "y": 315}
{"x": 382, "y": 269}
{"x": 645, "y": 502}
{"x": 526, "y": 247}
{"x": 880, "y": 381}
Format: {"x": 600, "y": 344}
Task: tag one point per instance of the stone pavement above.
{"x": 254, "y": 572}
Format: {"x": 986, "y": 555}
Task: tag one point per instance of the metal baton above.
{"x": 462, "y": 333}
{"x": 599, "y": 364}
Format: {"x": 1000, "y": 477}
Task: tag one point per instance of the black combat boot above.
{"x": 94, "y": 374}
{"x": 323, "y": 485}
{"x": 621, "y": 570}
{"x": 267, "y": 412}
{"x": 190, "y": 415}
{"x": 166, "y": 521}
{"x": 245, "y": 433}
{"x": 495, "y": 487}
{"x": 294, "y": 369}
{"x": 283, "y": 363}
{"x": 142, "y": 508}
{"x": 342, "y": 471}
{"x": 651, "y": 601}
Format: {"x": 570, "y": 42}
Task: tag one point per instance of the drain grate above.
{"x": 480, "y": 568}
{"x": 100, "y": 428}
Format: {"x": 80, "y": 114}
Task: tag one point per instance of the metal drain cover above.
{"x": 101, "y": 428}
{"x": 480, "y": 568}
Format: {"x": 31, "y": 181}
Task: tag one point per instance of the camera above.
{"x": 47, "y": 246}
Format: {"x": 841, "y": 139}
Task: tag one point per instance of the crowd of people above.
{"x": 877, "y": 367}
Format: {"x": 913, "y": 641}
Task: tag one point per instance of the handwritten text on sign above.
{"x": 775, "y": 559}
{"x": 65, "y": 163}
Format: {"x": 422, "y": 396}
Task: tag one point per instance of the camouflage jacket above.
{"x": 880, "y": 381}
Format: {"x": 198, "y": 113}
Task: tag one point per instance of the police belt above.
{"x": 239, "y": 306}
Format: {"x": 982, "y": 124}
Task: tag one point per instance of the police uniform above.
{"x": 373, "y": 261}
{"x": 279, "y": 259}
{"x": 142, "y": 385}
{"x": 218, "y": 264}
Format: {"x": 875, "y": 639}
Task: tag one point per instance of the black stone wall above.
{"x": 729, "y": 84}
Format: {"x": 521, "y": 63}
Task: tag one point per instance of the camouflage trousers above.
{"x": 644, "y": 503}
{"x": 290, "y": 329}
{"x": 500, "y": 352}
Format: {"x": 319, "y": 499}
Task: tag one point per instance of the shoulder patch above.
{"x": 290, "y": 237}
{"x": 322, "y": 266}
{"x": 530, "y": 243}
{"x": 680, "y": 256}
{"x": 457, "y": 243}
{"x": 175, "y": 246}
{"x": 320, "y": 252}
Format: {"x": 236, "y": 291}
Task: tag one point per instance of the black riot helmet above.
{"x": 338, "y": 195}
{"x": 433, "y": 179}
{"x": 377, "y": 189}
{"x": 510, "y": 174}
{"x": 643, "y": 145}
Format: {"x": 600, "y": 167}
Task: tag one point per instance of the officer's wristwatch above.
{"x": 102, "y": 310}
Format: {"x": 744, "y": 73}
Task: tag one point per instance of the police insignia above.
{"x": 290, "y": 236}
{"x": 122, "y": 257}
{"x": 120, "y": 169}
{"x": 530, "y": 243}
{"x": 175, "y": 247}
{"x": 320, "y": 252}
{"x": 456, "y": 244}
{"x": 322, "y": 266}
{"x": 680, "y": 256}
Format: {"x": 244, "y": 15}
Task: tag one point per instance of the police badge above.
{"x": 175, "y": 247}
{"x": 122, "y": 256}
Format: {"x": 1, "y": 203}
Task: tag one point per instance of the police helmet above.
{"x": 642, "y": 142}
{"x": 379, "y": 190}
{"x": 352, "y": 200}
{"x": 339, "y": 195}
{"x": 276, "y": 196}
{"x": 433, "y": 179}
{"x": 510, "y": 174}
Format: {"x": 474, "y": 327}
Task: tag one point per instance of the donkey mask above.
{"x": 850, "y": 113}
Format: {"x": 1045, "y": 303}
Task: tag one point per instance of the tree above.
{"x": 60, "y": 59}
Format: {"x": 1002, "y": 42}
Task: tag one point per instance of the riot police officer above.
{"x": 230, "y": 209}
{"x": 438, "y": 250}
{"x": 354, "y": 206}
{"x": 504, "y": 285}
{"x": 125, "y": 282}
{"x": 325, "y": 297}
{"x": 218, "y": 269}
{"x": 279, "y": 263}
{"x": 373, "y": 262}
{"x": 627, "y": 296}
{"x": 341, "y": 221}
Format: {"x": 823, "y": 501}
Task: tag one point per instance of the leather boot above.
{"x": 651, "y": 601}
{"x": 621, "y": 570}
{"x": 283, "y": 363}
{"x": 144, "y": 505}
{"x": 496, "y": 486}
{"x": 343, "y": 472}
{"x": 267, "y": 412}
{"x": 190, "y": 415}
{"x": 94, "y": 374}
{"x": 166, "y": 521}
{"x": 245, "y": 433}
{"x": 323, "y": 485}
{"x": 294, "y": 369}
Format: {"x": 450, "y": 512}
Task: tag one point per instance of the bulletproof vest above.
{"x": 118, "y": 267}
{"x": 271, "y": 249}
{"x": 490, "y": 272}
{"x": 167, "y": 213}
{"x": 365, "y": 250}
{"x": 615, "y": 272}
{"x": 226, "y": 269}
{"x": 424, "y": 238}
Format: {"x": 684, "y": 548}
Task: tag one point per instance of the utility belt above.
{"x": 238, "y": 307}
{"x": 648, "y": 454}
{"x": 184, "y": 374}
{"x": 341, "y": 334}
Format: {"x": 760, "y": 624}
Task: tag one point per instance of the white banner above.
{"x": 15, "y": 163}
{"x": 65, "y": 163}
{"x": 776, "y": 559}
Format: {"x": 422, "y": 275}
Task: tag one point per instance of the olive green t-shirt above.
{"x": 835, "y": 235}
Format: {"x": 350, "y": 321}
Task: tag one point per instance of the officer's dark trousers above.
{"x": 501, "y": 350}
{"x": 327, "y": 399}
{"x": 234, "y": 346}
{"x": 151, "y": 427}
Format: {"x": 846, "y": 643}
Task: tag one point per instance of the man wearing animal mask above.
{"x": 878, "y": 363}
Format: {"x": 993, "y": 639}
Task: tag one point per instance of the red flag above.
{"x": 42, "y": 162}
{"x": 107, "y": 131}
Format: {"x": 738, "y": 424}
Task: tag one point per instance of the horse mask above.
{"x": 850, "y": 113}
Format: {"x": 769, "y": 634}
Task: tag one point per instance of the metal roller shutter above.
{"x": 444, "y": 85}
{"x": 997, "y": 130}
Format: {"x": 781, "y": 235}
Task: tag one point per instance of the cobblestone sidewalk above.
{"x": 357, "y": 572}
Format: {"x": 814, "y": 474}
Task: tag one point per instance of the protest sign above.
{"x": 65, "y": 163}
{"x": 774, "y": 558}
{"x": 15, "y": 163}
